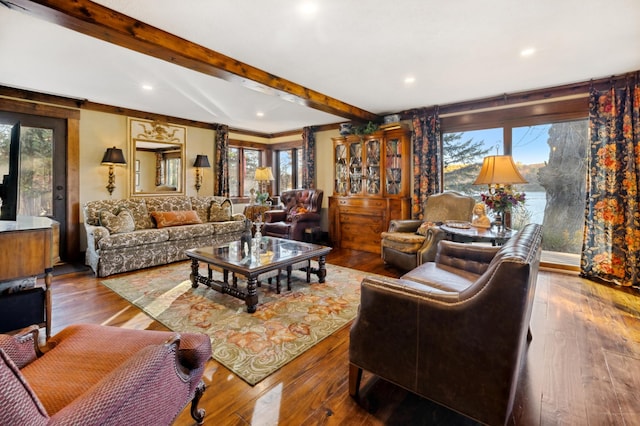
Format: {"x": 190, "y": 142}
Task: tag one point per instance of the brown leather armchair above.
{"x": 404, "y": 248}
{"x": 455, "y": 330}
{"x": 301, "y": 211}
{"x": 99, "y": 375}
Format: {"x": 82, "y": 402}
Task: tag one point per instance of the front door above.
{"x": 42, "y": 171}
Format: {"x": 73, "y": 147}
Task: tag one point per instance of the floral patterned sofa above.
{"x": 139, "y": 232}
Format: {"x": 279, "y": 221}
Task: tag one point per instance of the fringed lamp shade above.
{"x": 499, "y": 170}
{"x": 264, "y": 174}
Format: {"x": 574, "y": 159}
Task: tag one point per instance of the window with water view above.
{"x": 553, "y": 160}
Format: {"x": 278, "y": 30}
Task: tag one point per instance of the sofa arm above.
{"x": 404, "y": 225}
{"x": 238, "y": 217}
{"x": 467, "y": 257}
{"x": 154, "y": 370}
{"x": 94, "y": 234}
{"x": 21, "y": 347}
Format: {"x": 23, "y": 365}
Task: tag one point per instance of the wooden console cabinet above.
{"x": 371, "y": 187}
{"x": 26, "y": 250}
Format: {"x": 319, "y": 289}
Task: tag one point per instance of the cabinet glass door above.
{"x": 341, "y": 169}
{"x": 355, "y": 168}
{"x": 393, "y": 164}
{"x": 373, "y": 167}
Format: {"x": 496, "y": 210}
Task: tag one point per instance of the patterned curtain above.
{"x": 426, "y": 160}
{"x": 309, "y": 154}
{"x": 612, "y": 226}
{"x": 222, "y": 160}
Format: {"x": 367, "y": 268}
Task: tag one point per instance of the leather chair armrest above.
{"x": 305, "y": 217}
{"x": 271, "y": 216}
{"x": 21, "y": 347}
{"x": 429, "y": 249}
{"x": 405, "y": 225}
{"x": 467, "y": 257}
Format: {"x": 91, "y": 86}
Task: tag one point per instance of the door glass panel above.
{"x": 35, "y": 182}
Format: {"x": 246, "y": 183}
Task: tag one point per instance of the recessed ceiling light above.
{"x": 409, "y": 80}
{"x": 528, "y": 52}
{"x": 147, "y": 87}
{"x": 308, "y": 8}
{"x": 260, "y": 114}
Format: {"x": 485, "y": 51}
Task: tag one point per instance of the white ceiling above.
{"x": 359, "y": 52}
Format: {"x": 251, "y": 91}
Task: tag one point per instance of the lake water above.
{"x": 535, "y": 202}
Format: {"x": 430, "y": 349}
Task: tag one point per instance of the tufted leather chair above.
{"x": 404, "y": 248}
{"x": 100, "y": 375}
{"x": 301, "y": 211}
{"x": 455, "y": 331}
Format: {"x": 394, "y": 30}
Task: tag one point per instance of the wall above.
{"x": 99, "y": 131}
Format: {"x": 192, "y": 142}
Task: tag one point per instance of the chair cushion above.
{"x": 404, "y": 242}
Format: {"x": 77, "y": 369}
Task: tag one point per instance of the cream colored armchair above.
{"x": 403, "y": 247}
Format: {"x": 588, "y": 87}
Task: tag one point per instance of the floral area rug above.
{"x": 251, "y": 345}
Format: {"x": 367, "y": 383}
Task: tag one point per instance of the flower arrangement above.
{"x": 503, "y": 200}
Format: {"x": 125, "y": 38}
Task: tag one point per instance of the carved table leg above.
{"x": 194, "y": 273}
{"x": 289, "y": 277}
{"x": 252, "y": 295}
{"x": 322, "y": 269}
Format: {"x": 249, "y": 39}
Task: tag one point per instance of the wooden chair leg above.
{"x": 198, "y": 413}
{"x": 355, "y": 377}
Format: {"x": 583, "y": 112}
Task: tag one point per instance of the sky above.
{"x": 529, "y": 142}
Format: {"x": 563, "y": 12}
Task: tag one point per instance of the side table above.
{"x": 492, "y": 235}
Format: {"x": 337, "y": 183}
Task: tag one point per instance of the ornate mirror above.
{"x": 157, "y": 153}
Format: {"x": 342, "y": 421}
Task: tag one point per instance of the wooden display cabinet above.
{"x": 372, "y": 184}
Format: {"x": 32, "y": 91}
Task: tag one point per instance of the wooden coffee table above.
{"x": 252, "y": 258}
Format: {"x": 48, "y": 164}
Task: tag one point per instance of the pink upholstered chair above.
{"x": 99, "y": 375}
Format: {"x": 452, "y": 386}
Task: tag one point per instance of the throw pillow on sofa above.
{"x": 177, "y": 218}
{"x": 220, "y": 212}
{"x": 117, "y": 223}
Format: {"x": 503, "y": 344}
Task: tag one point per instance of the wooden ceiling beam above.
{"x": 114, "y": 27}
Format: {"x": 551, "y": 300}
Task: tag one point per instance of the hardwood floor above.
{"x": 582, "y": 367}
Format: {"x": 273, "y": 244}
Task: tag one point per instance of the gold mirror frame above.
{"x": 158, "y": 158}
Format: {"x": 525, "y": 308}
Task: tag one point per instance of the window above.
{"x": 551, "y": 156}
{"x": 289, "y": 169}
{"x": 242, "y": 168}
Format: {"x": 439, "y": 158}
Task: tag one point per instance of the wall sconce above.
{"x": 263, "y": 176}
{"x": 201, "y": 161}
{"x": 112, "y": 156}
{"x": 497, "y": 171}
